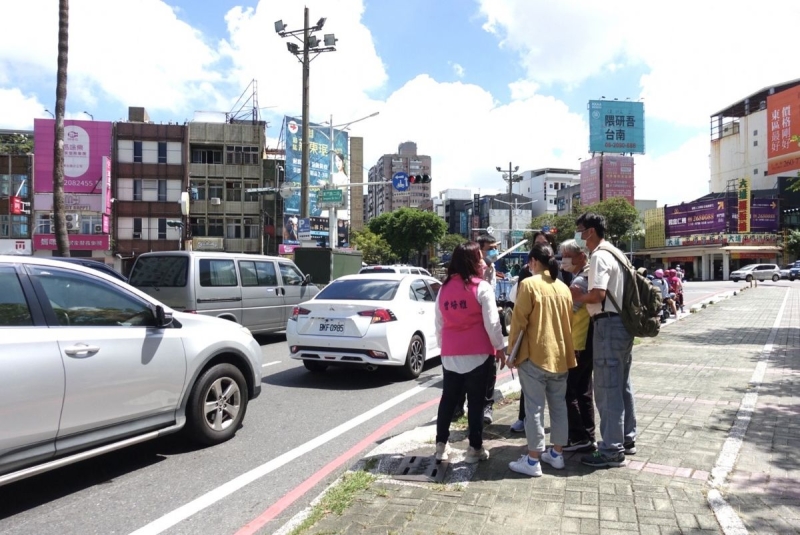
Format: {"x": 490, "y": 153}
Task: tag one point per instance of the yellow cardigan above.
{"x": 543, "y": 312}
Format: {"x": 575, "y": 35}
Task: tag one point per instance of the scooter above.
{"x": 664, "y": 311}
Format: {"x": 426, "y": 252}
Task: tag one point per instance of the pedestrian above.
{"x": 580, "y": 400}
{"x": 667, "y": 296}
{"x": 471, "y": 341}
{"x": 612, "y": 346}
{"x": 542, "y": 315}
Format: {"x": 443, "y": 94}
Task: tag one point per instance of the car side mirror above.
{"x": 307, "y": 279}
{"x": 163, "y": 319}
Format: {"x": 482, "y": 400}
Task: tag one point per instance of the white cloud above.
{"x": 678, "y": 176}
{"x": 522, "y": 89}
{"x": 18, "y": 110}
{"x": 458, "y": 70}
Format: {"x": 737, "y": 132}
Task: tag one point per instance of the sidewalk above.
{"x": 718, "y": 408}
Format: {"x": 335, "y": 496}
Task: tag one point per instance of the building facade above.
{"x": 543, "y": 185}
{"x": 384, "y": 198}
{"x": 16, "y": 172}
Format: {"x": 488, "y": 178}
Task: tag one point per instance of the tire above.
{"x": 776, "y": 278}
{"x": 791, "y": 279}
{"x": 415, "y": 358}
{"x": 314, "y": 366}
{"x": 735, "y": 280}
{"x": 224, "y": 389}
{"x": 749, "y": 278}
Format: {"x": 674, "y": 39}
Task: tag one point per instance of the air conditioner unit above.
{"x": 98, "y": 228}
{"x": 215, "y": 201}
{"x": 73, "y": 221}
{"x": 72, "y": 226}
{"x": 137, "y": 235}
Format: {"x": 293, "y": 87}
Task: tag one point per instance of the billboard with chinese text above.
{"x": 85, "y": 145}
{"x": 617, "y": 174}
{"x": 319, "y": 161}
{"x": 590, "y": 181}
{"x": 703, "y": 217}
{"x": 764, "y": 216}
{"x": 783, "y": 121}
{"x": 743, "y": 204}
{"x": 616, "y": 126}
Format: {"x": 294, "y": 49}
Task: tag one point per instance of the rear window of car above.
{"x": 377, "y": 269}
{"x": 360, "y": 290}
{"x": 160, "y": 272}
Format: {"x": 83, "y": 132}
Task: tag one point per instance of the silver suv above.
{"x": 89, "y": 364}
{"x": 761, "y": 272}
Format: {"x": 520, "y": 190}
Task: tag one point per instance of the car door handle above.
{"x": 81, "y": 350}
{"x": 421, "y": 311}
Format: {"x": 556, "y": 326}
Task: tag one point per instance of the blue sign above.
{"x": 400, "y": 181}
{"x": 616, "y": 126}
{"x": 545, "y": 228}
{"x": 304, "y": 227}
{"x": 319, "y": 161}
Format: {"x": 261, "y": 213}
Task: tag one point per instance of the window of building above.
{"x": 137, "y": 152}
{"x": 755, "y": 132}
{"x": 162, "y": 190}
{"x": 755, "y": 143}
{"x": 250, "y": 227}
{"x": 241, "y": 155}
{"x": 755, "y": 171}
{"x": 91, "y": 224}
{"x": 197, "y": 190}
{"x": 162, "y": 152}
{"x": 216, "y": 227}
{"x": 14, "y": 185}
{"x": 14, "y": 226}
{"x": 43, "y": 224}
{"x": 162, "y": 228}
{"x": 137, "y": 228}
{"x": 206, "y": 155}
{"x": 215, "y": 190}
{"x": 198, "y": 225}
{"x": 251, "y": 197}
{"x": 233, "y": 228}
{"x": 137, "y": 189}
{"x": 233, "y": 191}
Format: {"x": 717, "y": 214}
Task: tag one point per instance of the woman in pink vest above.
{"x": 469, "y": 333}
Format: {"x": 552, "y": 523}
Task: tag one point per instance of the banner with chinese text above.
{"x": 616, "y": 126}
{"x": 743, "y": 204}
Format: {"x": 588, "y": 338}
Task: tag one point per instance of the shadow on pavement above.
{"x": 268, "y": 339}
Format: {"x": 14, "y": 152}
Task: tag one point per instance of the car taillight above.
{"x": 380, "y": 315}
{"x": 299, "y": 311}
{"x": 190, "y": 311}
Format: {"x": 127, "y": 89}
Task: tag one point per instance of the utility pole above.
{"x": 511, "y": 178}
{"x": 304, "y": 181}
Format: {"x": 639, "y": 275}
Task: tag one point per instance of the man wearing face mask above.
{"x": 488, "y": 246}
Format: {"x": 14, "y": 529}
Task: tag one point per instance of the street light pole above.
{"x": 304, "y": 181}
{"x": 510, "y": 178}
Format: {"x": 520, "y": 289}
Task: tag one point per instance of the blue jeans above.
{"x": 613, "y": 392}
{"x": 540, "y": 386}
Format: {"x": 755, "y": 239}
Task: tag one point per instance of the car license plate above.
{"x": 335, "y": 327}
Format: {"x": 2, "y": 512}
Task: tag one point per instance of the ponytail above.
{"x": 544, "y": 255}
{"x": 552, "y": 265}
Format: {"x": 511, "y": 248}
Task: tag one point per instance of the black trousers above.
{"x": 454, "y": 386}
{"x": 488, "y": 400}
{"x": 580, "y": 397}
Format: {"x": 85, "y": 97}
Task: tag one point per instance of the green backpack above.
{"x": 641, "y": 301}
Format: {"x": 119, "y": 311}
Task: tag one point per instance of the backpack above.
{"x": 641, "y": 301}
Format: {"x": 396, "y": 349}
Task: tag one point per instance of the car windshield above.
{"x": 378, "y": 269}
{"x": 748, "y": 267}
{"x": 360, "y": 290}
{"x": 160, "y": 272}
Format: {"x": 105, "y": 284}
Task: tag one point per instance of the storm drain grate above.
{"x": 422, "y": 468}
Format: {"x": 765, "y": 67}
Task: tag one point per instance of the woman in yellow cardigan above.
{"x": 543, "y": 316}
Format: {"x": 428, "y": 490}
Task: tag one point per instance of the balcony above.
{"x": 242, "y": 245}
{"x": 199, "y": 170}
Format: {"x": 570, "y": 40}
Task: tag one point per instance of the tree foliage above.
{"x": 792, "y": 245}
{"x": 449, "y": 242}
{"x": 408, "y": 230}
{"x": 564, "y": 225}
{"x": 374, "y": 248}
{"x": 16, "y": 144}
{"x": 622, "y": 220}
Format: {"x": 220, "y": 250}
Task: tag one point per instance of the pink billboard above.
{"x": 618, "y": 177}
{"x": 590, "y": 181}
{"x": 77, "y": 242}
{"x": 85, "y": 145}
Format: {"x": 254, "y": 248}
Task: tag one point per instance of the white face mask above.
{"x": 567, "y": 265}
{"x": 580, "y": 240}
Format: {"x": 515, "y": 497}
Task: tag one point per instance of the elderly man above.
{"x": 580, "y": 401}
{"x": 612, "y": 345}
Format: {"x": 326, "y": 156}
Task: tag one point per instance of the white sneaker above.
{"x": 473, "y": 455}
{"x": 553, "y": 459}
{"x": 518, "y": 426}
{"x": 523, "y": 466}
{"x": 442, "y": 451}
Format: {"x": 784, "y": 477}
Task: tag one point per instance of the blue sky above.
{"x": 475, "y": 83}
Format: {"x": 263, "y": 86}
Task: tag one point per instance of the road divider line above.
{"x": 213, "y": 496}
{"x": 270, "y": 363}
{"x": 290, "y": 497}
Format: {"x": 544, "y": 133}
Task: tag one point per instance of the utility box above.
{"x": 325, "y": 265}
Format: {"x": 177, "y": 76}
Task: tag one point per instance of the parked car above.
{"x": 255, "y": 291}
{"x": 89, "y": 365}
{"x": 794, "y": 272}
{"x": 93, "y": 264}
{"x": 785, "y": 271}
{"x": 760, "y": 272}
{"x": 369, "y": 321}
{"x": 395, "y": 269}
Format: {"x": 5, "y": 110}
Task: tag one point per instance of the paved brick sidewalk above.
{"x": 690, "y": 382}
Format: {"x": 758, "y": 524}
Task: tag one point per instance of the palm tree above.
{"x": 62, "y": 239}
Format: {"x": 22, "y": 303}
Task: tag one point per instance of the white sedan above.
{"x": 367, "y": 320}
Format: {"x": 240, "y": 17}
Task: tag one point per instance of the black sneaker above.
{"x": 598, "y": 460}
{"x": 630, "y": 448}
{"x": 581, "y": 445}
{"x": 487, "y": 415}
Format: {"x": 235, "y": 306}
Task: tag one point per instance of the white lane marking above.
{"x": 211, "y": 497}
{"x": 270, "y": 363}
{"x": 729, "y": 521}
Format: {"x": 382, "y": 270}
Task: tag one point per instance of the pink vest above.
{"x": 463, "y": 332}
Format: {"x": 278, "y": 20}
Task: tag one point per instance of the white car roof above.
{"x": 384, "y": 276}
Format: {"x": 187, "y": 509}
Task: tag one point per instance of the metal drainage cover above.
{"x": 423, "y": 468}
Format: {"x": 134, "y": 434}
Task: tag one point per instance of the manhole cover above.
{"x": 423, "y": 468}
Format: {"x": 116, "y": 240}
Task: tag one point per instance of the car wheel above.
{"x": 314, "y": 366}
{"x": 749, "y": 278}
{"x": 217, "y": 405}
{"x": 735, "y": 280}
{"x": 415, "y": 358}
{"x": 776, "y": 278}
{"x": 791, "y": 279}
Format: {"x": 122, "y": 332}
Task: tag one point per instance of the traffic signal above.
{"x": 419, "y": 179}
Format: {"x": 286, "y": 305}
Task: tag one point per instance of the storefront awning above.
{"x": 670, "y": 252}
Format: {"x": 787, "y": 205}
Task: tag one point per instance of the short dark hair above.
{"x": 486, "y": 239}
{"x": 593, "y": 220}
{"x": 547, "y": 236}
